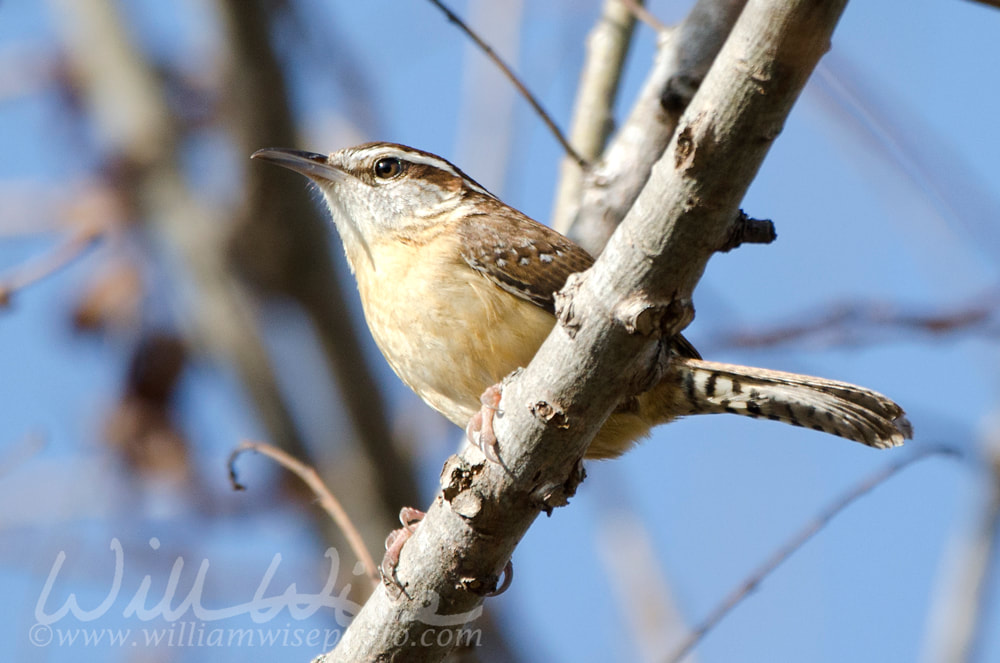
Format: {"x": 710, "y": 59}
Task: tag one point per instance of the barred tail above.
{"x": 833, "y": 407}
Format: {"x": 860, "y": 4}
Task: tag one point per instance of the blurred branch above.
{"x": 643, "y": 595}
{"x": 142, "y": 427}
{"x": 47, "y": 264}
{"x": 16, "y": 454}
{"x": 25, "y": 68}
{"x": 282, "y": 246}
{"x": 127, "y": 104}
{"x": 612, "y": 185}
{"x": 781, "y": 555}
{"x": 644, "y": 15}
{"x": 30, "y": 209}
{"x": 856, "y": 323}
{"x": 607, "y": 46}
{"x": 958, "y": 618}
{"x": 327, "y": 500}
{"x": 529, "y": 97}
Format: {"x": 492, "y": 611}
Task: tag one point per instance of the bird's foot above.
{"x": 410, "y": 518}
{"x": 480, "y": 428}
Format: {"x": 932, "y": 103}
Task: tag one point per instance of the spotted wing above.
{"x": 520, "y": 255}
{"x": 527, "y": 259}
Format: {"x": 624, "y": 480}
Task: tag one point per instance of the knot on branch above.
{"x": 456, "y": 487}
{"x": 642, "y": 315}
{"x": 548, "y": 496}
{"x": 693, "y": 141}
{"x": 549, "y": 413}
{"x": 490, "y": 586}
{"x": 565, "y": 313}
{"x": 747, "y": 230}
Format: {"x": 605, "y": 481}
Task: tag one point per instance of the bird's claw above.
{"x": 410, "y": 518}
{"x": 480, "y": 429}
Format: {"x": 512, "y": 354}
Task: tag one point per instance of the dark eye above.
{"x": 387, "y": 168}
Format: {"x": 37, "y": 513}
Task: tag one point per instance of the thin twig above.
{"x": 846, "y": 324}
{"x": 46, "y": 265}
{"x": 546, "y": 118}
{"x": 645, "y": 16}
{"x": 327, "y": 501}
{"x": 792, "y": 546}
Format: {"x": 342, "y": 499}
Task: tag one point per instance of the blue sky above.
{"x": 882, "y": 187}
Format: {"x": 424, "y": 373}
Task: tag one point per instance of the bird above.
{"x": 458, "y": 290}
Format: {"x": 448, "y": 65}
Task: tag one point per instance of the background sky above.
{"x": 884, "y": 191}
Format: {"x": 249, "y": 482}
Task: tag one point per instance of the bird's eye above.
{"x": 387, "y": 168}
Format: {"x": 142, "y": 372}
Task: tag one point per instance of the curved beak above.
{"x": 312, "y": 165}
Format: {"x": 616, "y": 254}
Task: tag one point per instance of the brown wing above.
{"x": 527, "y": 259}
{"x": 520, "y": 255}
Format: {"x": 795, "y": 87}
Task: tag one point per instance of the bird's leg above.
{"x": 480, "y": 428}
{"x": 410, "y": 518}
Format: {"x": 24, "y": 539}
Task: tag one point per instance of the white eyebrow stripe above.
{"x": 419, "y": 158}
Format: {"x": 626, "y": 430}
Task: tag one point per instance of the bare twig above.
{"x": 796, "y": 542}
{"x": 45, "y": 265}
{"x": 846, "y": 324}
{"x": 327, "y": 501}
{"x": 535, "y": 104}
{"x": 644, "y": 15}
{"x": 607, "y": 46}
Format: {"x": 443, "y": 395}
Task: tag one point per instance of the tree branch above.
{"x": 612, "y": 185}
{"x": 607, "y": 46}
{"x": 612, "y": 323}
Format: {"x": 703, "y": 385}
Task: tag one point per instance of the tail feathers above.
{"x": 834, "y": 407}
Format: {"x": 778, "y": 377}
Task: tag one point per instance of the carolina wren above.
{"x": 457, "y": 289}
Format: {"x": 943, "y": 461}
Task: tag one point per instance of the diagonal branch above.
{"x": 326, "y": 498}
{"x": 607, "y": 46}
{"x": 613, "y": 319}
{"x": 33, "y": 271}
{"x": 613, "y": 184}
